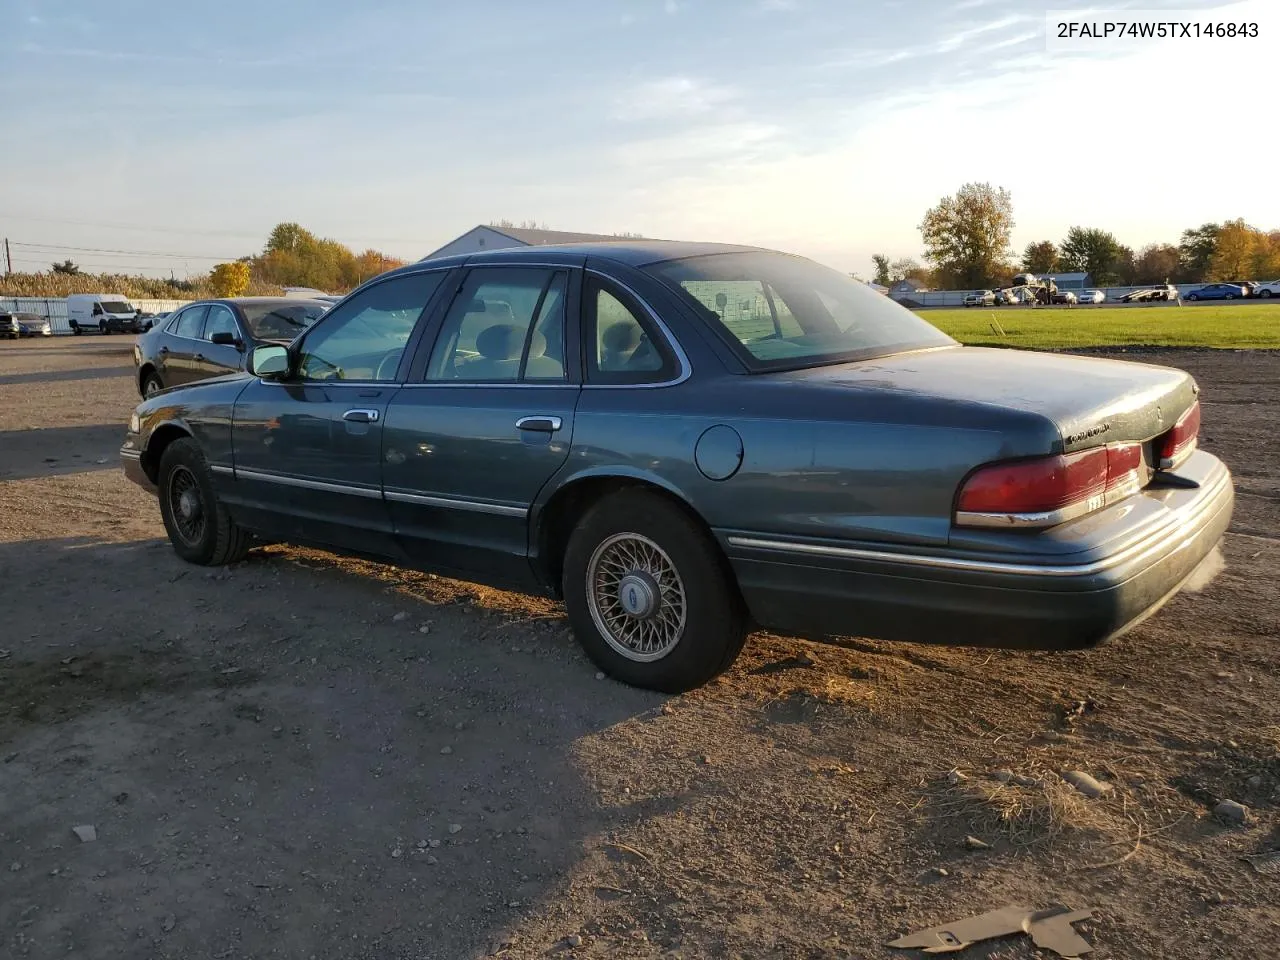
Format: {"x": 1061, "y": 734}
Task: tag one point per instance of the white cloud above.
{"x": 671, "y": 6}
{"x": 672, "y": 97}
{"x": 776, "y": 6}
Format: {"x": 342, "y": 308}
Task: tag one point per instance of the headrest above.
{"x": 621, "y": 337}
{"x": 502, "y": 341}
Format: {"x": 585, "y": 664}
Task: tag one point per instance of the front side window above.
{"x": 365, "y": 337}
{"x": 506, "y": 324}
{"x": 191, "y": 322}
{"x": 830, "y": 317}
{"x": 220, "y": 320}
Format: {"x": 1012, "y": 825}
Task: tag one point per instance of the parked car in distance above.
{"x": 149, "y": 320}
{"x": 1091, "y": 296}
{"x": 682, "y": 440}
{"x": 980, "y": 298}
{"x": 1269, "y": 288}
{"x": 1216, "y": 291}
{"x": 103, "y": 312}
{"x": 1065, "y": 296}
{"x": 10, "y": 326}
{"x": 1250, "y": 287}
{"x": 210, "y": 338}
{"x": 34, "y": 325}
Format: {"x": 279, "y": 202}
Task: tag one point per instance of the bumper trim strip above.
{"x": 1154, "y": 541}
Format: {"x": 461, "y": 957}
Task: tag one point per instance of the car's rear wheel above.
{"x": 650, "y": 596}
{"x": 151, "y": 385}
{"x": 1193, "y": 296}
{"x": 199, "y": 527}
{"x": 1229, "y": 296}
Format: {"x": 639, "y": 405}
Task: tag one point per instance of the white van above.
{"x": 103, "y": 312}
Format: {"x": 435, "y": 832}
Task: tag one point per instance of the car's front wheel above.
{"x": 199, "y": 527}
{"x": 1265, "y": 293}
{"x": 1229, "y": 296}
{"x": 1193, "y": 296}
{"x": 102, "y": 327}
{"x": 151, "y": 385}
{"x": 649, "y": 595}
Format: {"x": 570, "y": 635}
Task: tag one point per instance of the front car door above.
{"x": 215, "y": 359}
{"x": 308, "y": 449}
{"x": 484, "y": 422}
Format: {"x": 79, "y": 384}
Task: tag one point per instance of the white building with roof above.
{"x": 497, "y": 238}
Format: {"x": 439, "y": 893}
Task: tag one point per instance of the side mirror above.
{"x": 226, "y": 338}
{"x": 271, "y": 362}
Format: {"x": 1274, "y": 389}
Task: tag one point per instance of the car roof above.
{"x": 634, "y": 253}
{"x": 264, "y": 301}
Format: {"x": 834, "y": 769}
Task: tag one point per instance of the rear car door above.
{"x": 308, "y": 449}
{"x": 484, "y": 422}
{"x": 176, "y": 355}
{"x": 215, "y": 359}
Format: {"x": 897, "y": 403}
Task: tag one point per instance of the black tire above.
{"x": 216, "y": 540}
{"x": 1193, "y": 296}
{"x": 1229, "y": 296}
{"x": 75, "y": 329}
{"x": 1265, "y": 293}
{"x": 103, "y": 328}
{"x": 152, "y": 379}
{"x": 714, "y": 625}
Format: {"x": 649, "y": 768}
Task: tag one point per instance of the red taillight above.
{"x": 1180, "y": 442}
{"x": 1049, "y": 490}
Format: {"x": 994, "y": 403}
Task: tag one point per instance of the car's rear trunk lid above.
{"x": 1091, "y": 401}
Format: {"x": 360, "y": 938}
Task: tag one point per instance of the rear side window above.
{"x": 506, "y": 324}
{"x": 623, "y": 347}
{"x": 191, "y": 322}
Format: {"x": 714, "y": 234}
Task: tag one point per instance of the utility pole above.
{"x": 8, "y": 258}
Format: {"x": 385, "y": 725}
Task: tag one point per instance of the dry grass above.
{"x": 1036, "y": 807}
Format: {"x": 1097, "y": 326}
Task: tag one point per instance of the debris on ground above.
{"x": 87, "y": 833}
{"x": 973, "y": 843}
{"x": 1049, "y": 929}
{"x": 1086, "y": 784}
{"x": 1268, "y": 862}
{"x": 1231, "y": 811}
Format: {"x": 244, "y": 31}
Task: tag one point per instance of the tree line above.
{"x": 292, "y": 257}
{"x": 966, "y": 244}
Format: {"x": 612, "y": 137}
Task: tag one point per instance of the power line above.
{"x": 130, "y": 226}
{"x": 136, "y": 253}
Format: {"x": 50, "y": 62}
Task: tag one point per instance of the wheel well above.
{"x": 159, "y": 442}
{"x": 143, "y": 372}
{"x": 561, "y": 515}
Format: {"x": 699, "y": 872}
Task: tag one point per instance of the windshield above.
{"x": 777, "y": 310}
{"x": 281, "y": 321}
{"x": 116, "y": 306}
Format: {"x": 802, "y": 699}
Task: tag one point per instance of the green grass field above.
{"x": 1244, "y": 326}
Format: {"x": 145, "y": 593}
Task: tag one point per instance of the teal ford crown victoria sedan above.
{"x": 683, "y": 441}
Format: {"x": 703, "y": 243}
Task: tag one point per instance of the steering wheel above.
{"x": 393, "y": 358}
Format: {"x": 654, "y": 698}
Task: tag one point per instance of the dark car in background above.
{"x": 1217, "y": 291}
{"x": 15, "y": 325}
{"x": 211, "y": 338}
{"x": 682, "y": 440}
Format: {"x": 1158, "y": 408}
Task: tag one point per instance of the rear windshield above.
{"x": 281, "y": 321}
{"x": 780, "y": 311}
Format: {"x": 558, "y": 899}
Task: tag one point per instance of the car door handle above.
{"x": 540, "y": 424}
{"x": 361, "y": 416}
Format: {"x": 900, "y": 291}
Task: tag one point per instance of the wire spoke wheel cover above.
{"x": 186, "y": 505}
{"x": 636, "y": 597}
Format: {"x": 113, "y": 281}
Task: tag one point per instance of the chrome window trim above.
{"x": 324, "y": 485}
{"x": 686, "y": 369}
{"x": 505, "y": 384}
{"x": 471, "y": 506}
{"x": 1153, "y": 541}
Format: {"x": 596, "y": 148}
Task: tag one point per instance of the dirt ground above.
{"x": 304, "y": 756}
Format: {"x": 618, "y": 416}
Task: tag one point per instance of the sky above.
{"x": 152, "y": 136}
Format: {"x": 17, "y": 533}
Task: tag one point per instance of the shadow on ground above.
{"x": 50, "y": 451}
{"x": 273, "y": 758}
